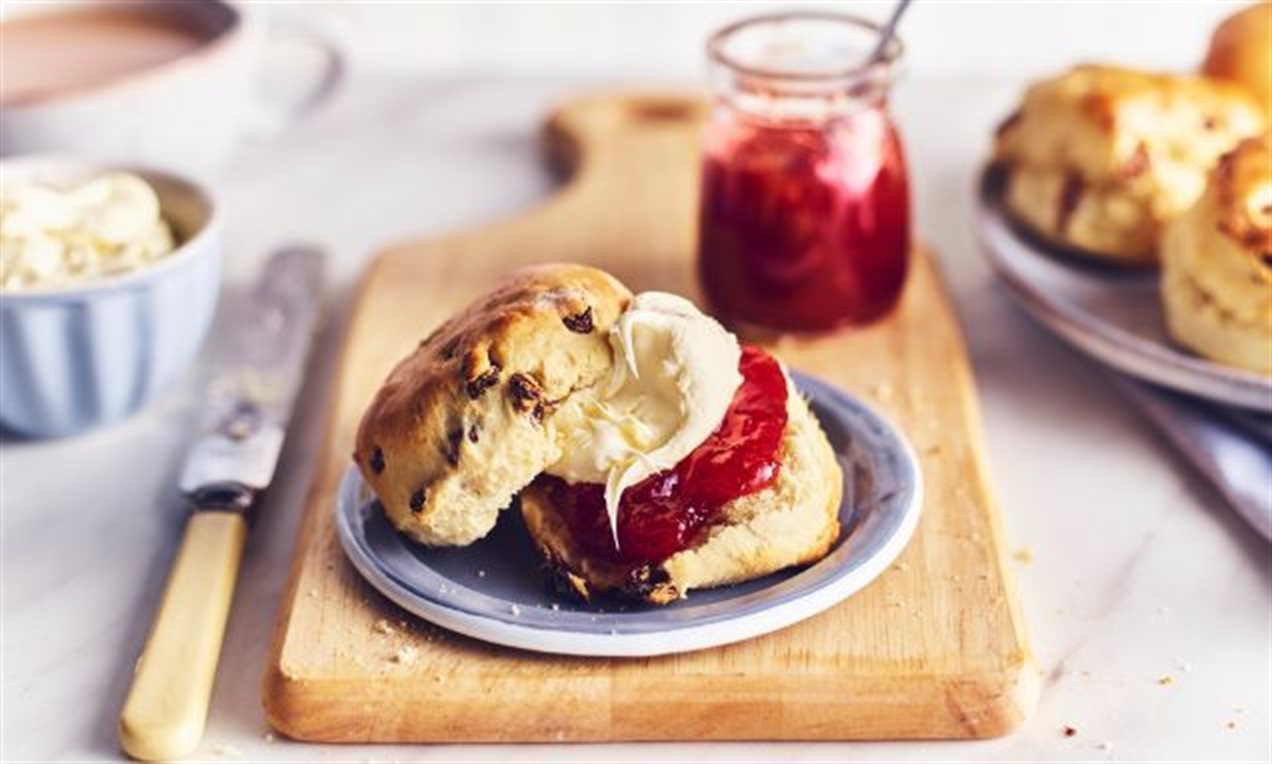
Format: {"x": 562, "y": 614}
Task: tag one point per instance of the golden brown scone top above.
{"x": 1241, "y": 51}
{"x": 459, "y": 425}
{"x": 1242, "y": 183}
{"x": 1110, "y": 122}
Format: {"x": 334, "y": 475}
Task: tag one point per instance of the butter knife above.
{"x": 248, "y": 401}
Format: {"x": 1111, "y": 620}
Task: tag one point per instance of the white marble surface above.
{"x": 1138, "y": 571}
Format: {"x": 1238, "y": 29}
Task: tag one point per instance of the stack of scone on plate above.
{"x": 1140, "y": 168}
{"x": 650, "y": 452}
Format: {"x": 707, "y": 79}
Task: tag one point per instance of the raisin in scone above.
{"x": 1099, "y": 159}
{"x": 460, "y": 424}
{"x": 1217, "y": 263}
{"x": 651, "y": 452}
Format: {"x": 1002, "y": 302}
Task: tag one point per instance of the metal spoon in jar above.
{"x": 889, "y": 32}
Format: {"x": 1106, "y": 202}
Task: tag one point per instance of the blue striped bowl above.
{"x": 74, "y": 358}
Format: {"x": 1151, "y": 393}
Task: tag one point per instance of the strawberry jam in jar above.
{"x": 805, "y": 210}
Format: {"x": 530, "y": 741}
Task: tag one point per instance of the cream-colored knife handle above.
{"x": 167, "y": 706}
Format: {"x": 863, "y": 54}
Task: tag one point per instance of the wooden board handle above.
{"x": 167, "y": 705}
{"x": 607, "y": 133}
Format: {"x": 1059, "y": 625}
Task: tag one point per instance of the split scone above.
{"x": 1099, "y": 159}
{"x": 651, "y": 453}
{"x": 1217, "y": 263}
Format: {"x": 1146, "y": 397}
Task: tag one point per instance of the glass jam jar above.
{"x": 805, "y": 208}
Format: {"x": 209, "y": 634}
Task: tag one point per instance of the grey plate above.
{"x": 1113, "y": 314}
{"x": 493, "y": 589}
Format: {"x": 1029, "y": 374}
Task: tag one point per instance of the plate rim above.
{"x": 688, "y": 636}
{"x": 1104, "y": 342}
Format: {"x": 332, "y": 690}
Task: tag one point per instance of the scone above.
{"x": 1217, "y": 263}
{"x": 651, "y": 452}
{"x": 1099, "y": 159}
{"x": 459, "y": 425}
{"x": 793, "y": 521}
{"x": 1241, "y": 51}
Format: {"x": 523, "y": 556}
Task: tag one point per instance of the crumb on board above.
{"x": 1185, "y": 667}
{"x": 1232, "y": 725}
{"x": 556, "y": 606}
{"x": 1166, "y": 679}
{"x": 382, "y": 626}
{"x": 269, "y": 737}
{"x": 1070, "y": 731}
{"x": 516, "y": 610}
{"x": 1105, "y": 746}
{"x": 934, "y": 450}
{"x": 882, "y": 391}
{"x": 1023, "y": 555}
{"x": 901, "y": 566}
{"x": 406, "y": 655}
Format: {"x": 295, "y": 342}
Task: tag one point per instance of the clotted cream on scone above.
{"x": 650, "y": 452}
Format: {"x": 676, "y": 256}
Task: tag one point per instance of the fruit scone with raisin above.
{"x": 649, "y": 453}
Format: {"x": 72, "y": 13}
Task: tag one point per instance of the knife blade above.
{"x": 248, "y": 401}
{"x": 250, "y": 393}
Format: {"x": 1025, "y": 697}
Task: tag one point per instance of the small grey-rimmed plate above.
{"x": 1111, "y": 313}
{"x": 493, "y": 590}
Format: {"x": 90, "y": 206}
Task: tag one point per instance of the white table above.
{"x": 1138, "y": 570}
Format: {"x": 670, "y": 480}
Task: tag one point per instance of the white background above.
{"x": 1016, "y": 38}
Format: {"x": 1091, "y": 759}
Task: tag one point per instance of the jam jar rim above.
{"x": 891, "y": 54}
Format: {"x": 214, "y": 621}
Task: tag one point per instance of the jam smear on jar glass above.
{"x": 663, "y": 514}
{"x": 804, "y": 221}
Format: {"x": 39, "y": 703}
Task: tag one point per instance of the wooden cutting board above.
{"x": 935, "y": 648}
